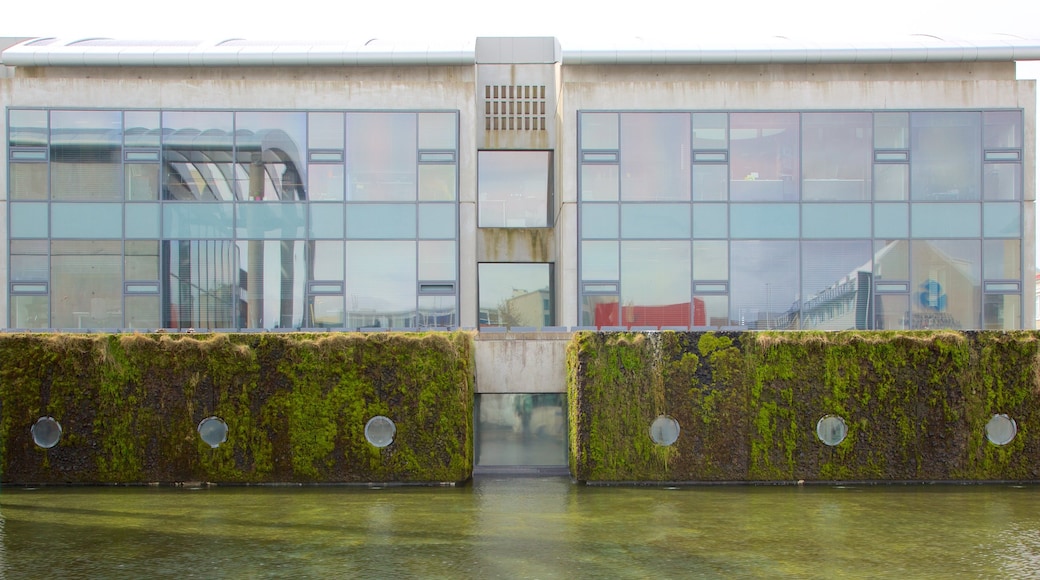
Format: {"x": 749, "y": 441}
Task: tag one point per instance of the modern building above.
{"x": 514, "y": 182}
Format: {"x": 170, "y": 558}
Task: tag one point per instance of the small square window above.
{"x": 515, "y": 188}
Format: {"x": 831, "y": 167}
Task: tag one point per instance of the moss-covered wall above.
{"x": 295, "y": 405}
{"x": 916, "y": 405}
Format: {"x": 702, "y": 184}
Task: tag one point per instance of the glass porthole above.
{"x": 664, "y": 430}
{"x": 831, "y": 430}
{"x": 380, "y": 431}
{"x": 1001, "y": 429}
{"x": 213, "y": 431}
{"x": 46, "y": 432}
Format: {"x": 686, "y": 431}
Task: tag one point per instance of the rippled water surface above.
{"x": 522, "y": 528}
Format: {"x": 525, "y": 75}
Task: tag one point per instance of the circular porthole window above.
{"x": 380, "y": 431}
{"x": 46, "y": 432}
{"x": 213, "y": 431}
{"x": 831, "y": 430}
{"x": 664, "y": 430}
{"x": 1001, "y": 429}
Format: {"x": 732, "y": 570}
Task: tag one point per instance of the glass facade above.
{"x": 232, "y": 219}
{"x": 801, "y": 219}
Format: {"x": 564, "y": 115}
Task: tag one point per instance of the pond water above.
{"x": 529, "y": 527}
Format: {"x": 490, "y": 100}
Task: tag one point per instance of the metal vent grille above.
{"x": 514, "y": 107}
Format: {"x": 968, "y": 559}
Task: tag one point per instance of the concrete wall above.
{"x": 518, "y": 362}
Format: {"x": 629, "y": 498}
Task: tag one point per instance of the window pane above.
{"x": 381, "y": 221}
{"x": 87, "y": 220}
{"x": 514, "y": 188}
{"x": 892, "y": 260}
{"x": 326, "y": 260}
{"x": 600, "y": 311}
{"x": 87, "y": 284}
{"x": 1002, "y": 259}
{"x": 514, "y": 295}
{"x": 764, "y": 157}
{"x": 142, "y": 312}
{"x": 1001, "y": 220}
{"x": 381, "y": 157}
{"x": 29, "y": 312}
{"x": 28, "y": 180}
{"x": 326, "y": 220}
{"x": 944, "y": 220}
{"x": 599, "y": 260}
{"x": 710, "y": 182}
{"x": 200, "y": 283}
{"x": 325, "y": 131}
{"x": 892, "y": 220}
{"x": 86, "y": 155}
{"x": 664, "y": 301}
{"x": 599, "y": 220}
{"x": 945, "y": 284}
{"x": 437, "y": 311}
{"x": 197, "y": 161}
{"x": 141, "y": 220}
{"x": 891, "y": 130}
{"x": 764, "y": 284}
{"x": 270, "y": 154}
{"x": 710, "y": 131}
{"x": 710, "y": 220}
{"x": 836, "y": 220}
{"x": 437, "y": 260}
{"x": 655, "y": 157}
{"x": 599, "y": 131}
{"x": 1002, "y": 312}
{"x": 381, "y": 284}
{"x": 947, "y": 156}
{"x": 837, "y": 285}
{"x": 142, "y": 129}
{"x": 764, "y": 220}
{"x": 436, "y": 182}
{"x": 28, "y": 128}
{"x": 711, "y": 260}
{"x": 29, "y": 220}
{"x": 711, "y": 311}
{"x": 275, "y": 277}
{"x": 1002, "y": 181}
{"x": 326, "y": 312}
{"x": 437, "y": 130}
{"x": 325, "y": 182}
{"x": 142, "y": 260}
{"x": 892, "y": 312}
{"x": 837, "y": 157}
{"x": 271, "y": 221}
{"x": 437, "y": 221}
{"x": 198, "y": 220}
{"x": 1003, "y": 129}
{"x": 599, "y": 182}
{"x": 891, "y": 182}
{"x": 655, "y": 220}
{"x": 142, "y": 181}
{"x": 29, "y": 260}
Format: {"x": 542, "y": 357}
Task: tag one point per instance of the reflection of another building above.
{"x": 524, "y": 308}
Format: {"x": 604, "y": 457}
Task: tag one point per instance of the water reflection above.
{"x": 522, "y": 528}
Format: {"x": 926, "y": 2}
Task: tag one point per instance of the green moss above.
{"x": 916, "y": 405}
{"x": 295, "y": 406}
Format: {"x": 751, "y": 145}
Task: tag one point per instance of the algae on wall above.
{"x": 915, "y": 403}
{"x": 295, "y": 406}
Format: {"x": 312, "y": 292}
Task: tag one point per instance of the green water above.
{"x": 522, "y": 528}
